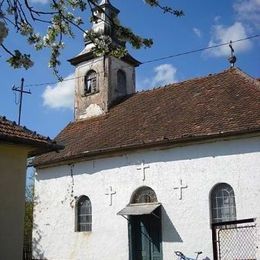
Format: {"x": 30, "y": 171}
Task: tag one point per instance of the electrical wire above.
{"x": 201, "y": 49}
{"x": 156, "y": 59}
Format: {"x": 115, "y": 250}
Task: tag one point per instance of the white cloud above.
{"x": 60, "y": 95}
{"x": 197, "y": 32}
{"x": 248, "y": 11}
{"x": 164, "y": 74}
{"x": 222, "y": 34}
{"x": 217, "y": 19}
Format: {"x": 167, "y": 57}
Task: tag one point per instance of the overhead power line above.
{"x": 158, "y": 59}
{"x": 199, "y": 50}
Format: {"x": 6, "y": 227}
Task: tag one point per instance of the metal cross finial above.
{"x": 180, "y": 187}
{"x": 110, "y": 193}
{"x": 142, "y": 168}
{"x": 232, "y": 59}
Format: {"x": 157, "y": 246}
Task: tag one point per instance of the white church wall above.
{"x": 185, "y": 221}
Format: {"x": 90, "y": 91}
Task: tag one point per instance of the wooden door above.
{"x": 145, "y": 237}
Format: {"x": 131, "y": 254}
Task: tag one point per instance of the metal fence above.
{"x": 235, "y": 240}
{"x": 27, "y": 250}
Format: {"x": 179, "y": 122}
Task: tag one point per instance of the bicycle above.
{"x": 183, "y": 257}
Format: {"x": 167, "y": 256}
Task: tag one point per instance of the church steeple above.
{"x": 100, "y": 81}
{"x": 104, "y": 17}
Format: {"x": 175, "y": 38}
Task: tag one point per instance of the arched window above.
{"x": 90, "y": 82}
{"x": 223, "y": 205}
{"x": 121, "y": 83}
{"x": 144, "y": 195}
{"x": 83, "y": 214}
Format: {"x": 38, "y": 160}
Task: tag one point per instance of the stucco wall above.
{"x": 115, "y": 65}
{"x": 185, "y": 222}
{"x": 83, "y": 102}
{"x": 97, "y": 103}
{"x": 12, "y": 189}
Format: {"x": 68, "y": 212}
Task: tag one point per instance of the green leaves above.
{"x": 19, "y": 60}
{"x": 165, "y": 9}
{"x": 3, "y": 31}
{"x": 126, "y": 34}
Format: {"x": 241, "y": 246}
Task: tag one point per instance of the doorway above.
{"x": 145, "y": 236}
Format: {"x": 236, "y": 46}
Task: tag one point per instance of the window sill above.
{"x": 90, "y": 94}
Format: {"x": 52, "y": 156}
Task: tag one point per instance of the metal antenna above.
{"x": 21, "y": 91}
{"x": 232, "y": 59}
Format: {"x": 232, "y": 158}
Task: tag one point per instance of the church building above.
{"x": 146, "y": 174}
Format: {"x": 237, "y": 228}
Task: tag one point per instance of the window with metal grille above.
{"x": 83, "y": 214}
{"x": 223, "y": 205}
{"x": 90, "y": 82}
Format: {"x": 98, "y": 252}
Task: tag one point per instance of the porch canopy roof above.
{"x": 139, "y": 209}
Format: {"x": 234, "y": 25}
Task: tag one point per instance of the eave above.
{"x": 90, "y": 55}
{"x": 158, "y": 144}
{"x": 34, "y": 147}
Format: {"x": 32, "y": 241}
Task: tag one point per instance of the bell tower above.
{"x": 102, "y": 80}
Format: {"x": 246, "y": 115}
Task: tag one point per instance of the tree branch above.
{"x": 6, "y": 50}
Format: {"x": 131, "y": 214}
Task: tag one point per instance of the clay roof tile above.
{"x": 10, "y": 132}
{"x": 222, "y": 104}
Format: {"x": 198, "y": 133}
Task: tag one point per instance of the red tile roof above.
{"x": 10, "y": 132}
{"x": 223, "y": 104}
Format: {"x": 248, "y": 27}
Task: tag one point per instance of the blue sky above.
{"x": 50, "y": 107}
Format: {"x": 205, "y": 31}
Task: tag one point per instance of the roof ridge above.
{"x": 175, "y": 84}
{"x": 159, "y": 88}
{"x": 221, "y": 105}
{"x": 253, "y": 80}
{"x": 24, "y": 129}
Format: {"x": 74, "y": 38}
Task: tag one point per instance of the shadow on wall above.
{"x": 38, "y": 253}
{"x": 37, "y": 250}
{"x": 170, "y": 234}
